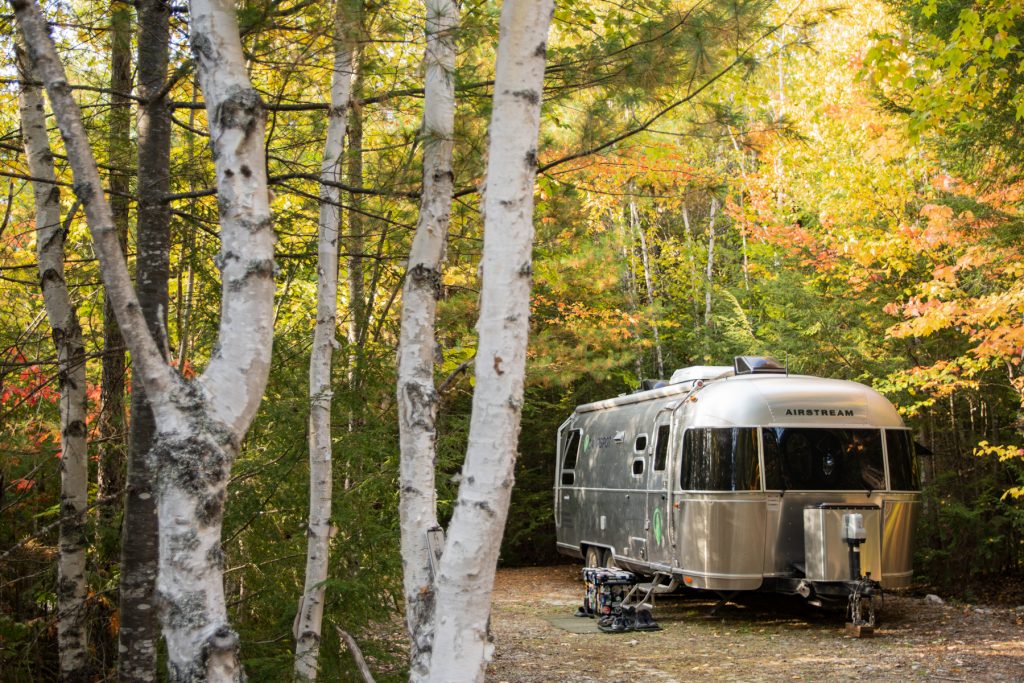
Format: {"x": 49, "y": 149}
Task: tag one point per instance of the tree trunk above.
{"x": 311, "y": 607}
{"x": 709, "y": 274}
{"x": 628, "y": 281}
{"x": 201, "y": 424}
{"x": 67, "y": 340}
{"x": 354, "y": 243}
{"x": 466, "y": 573}
{"x": 691, "y": 257}
{"x": 196, "y": 451}
{"x": 139, "y": 630}
{"x": 111, "y": 423}
{"x": 417, "y": 395}
{"x": 634, "y": 221}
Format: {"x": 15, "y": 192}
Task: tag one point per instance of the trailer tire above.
{"x": 592, "y": 558}
{"x": 608, "y": 559}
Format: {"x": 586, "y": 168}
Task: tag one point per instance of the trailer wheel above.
{"x": 593, "y": 557}
{"x": 608, "y": 559}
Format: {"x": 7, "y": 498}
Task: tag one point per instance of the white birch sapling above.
{"x": 417, "y": 395}
{"x": 201, "y": 423}
{"x": 709, "y": 273}
{"x": 466, "y": 573}
{"x": 309, "y": 619}
{"x": 67, "y": 340}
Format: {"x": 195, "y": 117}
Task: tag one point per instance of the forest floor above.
{"x": 755, "y": 638}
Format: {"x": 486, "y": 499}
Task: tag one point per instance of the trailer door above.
{"x": 659, "y": 510}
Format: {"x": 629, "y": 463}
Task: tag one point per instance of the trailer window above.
{"x": 817, "y": 459}
{"x": 903, "y": 474}
{"x": 661, "y": 447}
{"x": 571, "y": 450}
{"x": 720, "y": 460}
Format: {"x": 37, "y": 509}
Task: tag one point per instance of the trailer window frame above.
{"x": 910, "y": 468}
{"x": 785, "y": 471}
{"x": 637, "y": 448}
{"x": 567, "y": 449}
{"x": 753, "y": 457}
{"x": 662, "y": 438}
{"x": 638, "y": 467}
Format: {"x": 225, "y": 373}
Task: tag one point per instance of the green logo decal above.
{"x": 656, "y": 522}
{"x": 586, "y": 442}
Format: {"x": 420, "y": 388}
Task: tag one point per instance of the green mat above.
{"x": 574, "y": 624}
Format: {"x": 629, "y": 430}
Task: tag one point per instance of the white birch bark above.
{"x": 711, "y": 259}
{"x": 466, "y": 574}
{"x": 146, "y": 360}
{"x": 634, "y": 219}
{"x": 628, "y": 280}
{"x": 309, "y": 618}
{"x": 417, "y": 395}
{"x": 67, "y": 339}
{"x": 200, "y": 424}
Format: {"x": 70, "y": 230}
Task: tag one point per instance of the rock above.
{"x": 933, "y": 599}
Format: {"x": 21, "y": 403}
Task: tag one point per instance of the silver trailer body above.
{"x": 740, "y": 481}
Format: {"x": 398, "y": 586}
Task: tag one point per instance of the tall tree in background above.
{"x": 466, "y": 573}
{"x": 309, "y": 619}
{"x": 111, "y": 429}
{"x": 139, "y": 628}
{"x": 67, "y": 340}
{"x": 200, "y": 424}
{"x": 417, "y": 396}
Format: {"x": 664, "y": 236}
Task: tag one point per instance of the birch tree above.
{"x": 466, "y": 573}
{"x": 637, "y": 227}
{"x": 67, "y": 339}
{"x": 201, "y": 423}
{"x": 309, "y": 619}
{"x": 709, "y": 270}
{"x": 417, "y": 395}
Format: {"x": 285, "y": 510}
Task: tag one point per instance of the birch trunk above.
{"x": 195, "y": 464}
{"x": 628, "y": 281}
{"x": 139, "y": 632}
{"x": 709, "y": 274}
{"x": 67, "y": 339}
{"x": 309, "y": 619}
{"x": 634, "y": 219}
{"x": 354, "y": 244}
{"x": 417, "y": 394}
{"x": 200, "y": 424}
{"x": 466, "y": 573}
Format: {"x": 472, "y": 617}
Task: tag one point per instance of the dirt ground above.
{"x": 756, "y": 638}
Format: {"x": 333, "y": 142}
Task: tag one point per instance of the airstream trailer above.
{"x": 741, "y": 478}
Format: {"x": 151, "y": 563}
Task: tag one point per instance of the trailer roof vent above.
{"x": 758, "y": 365}
{"x": 699, "y": 372}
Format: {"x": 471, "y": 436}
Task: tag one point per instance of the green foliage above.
{"x": 872, "y": 243}
{"x": 970, "y": 534}
{"x": 957, "y": 71}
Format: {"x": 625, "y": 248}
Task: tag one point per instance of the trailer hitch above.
{"x": 861, "y": 608}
